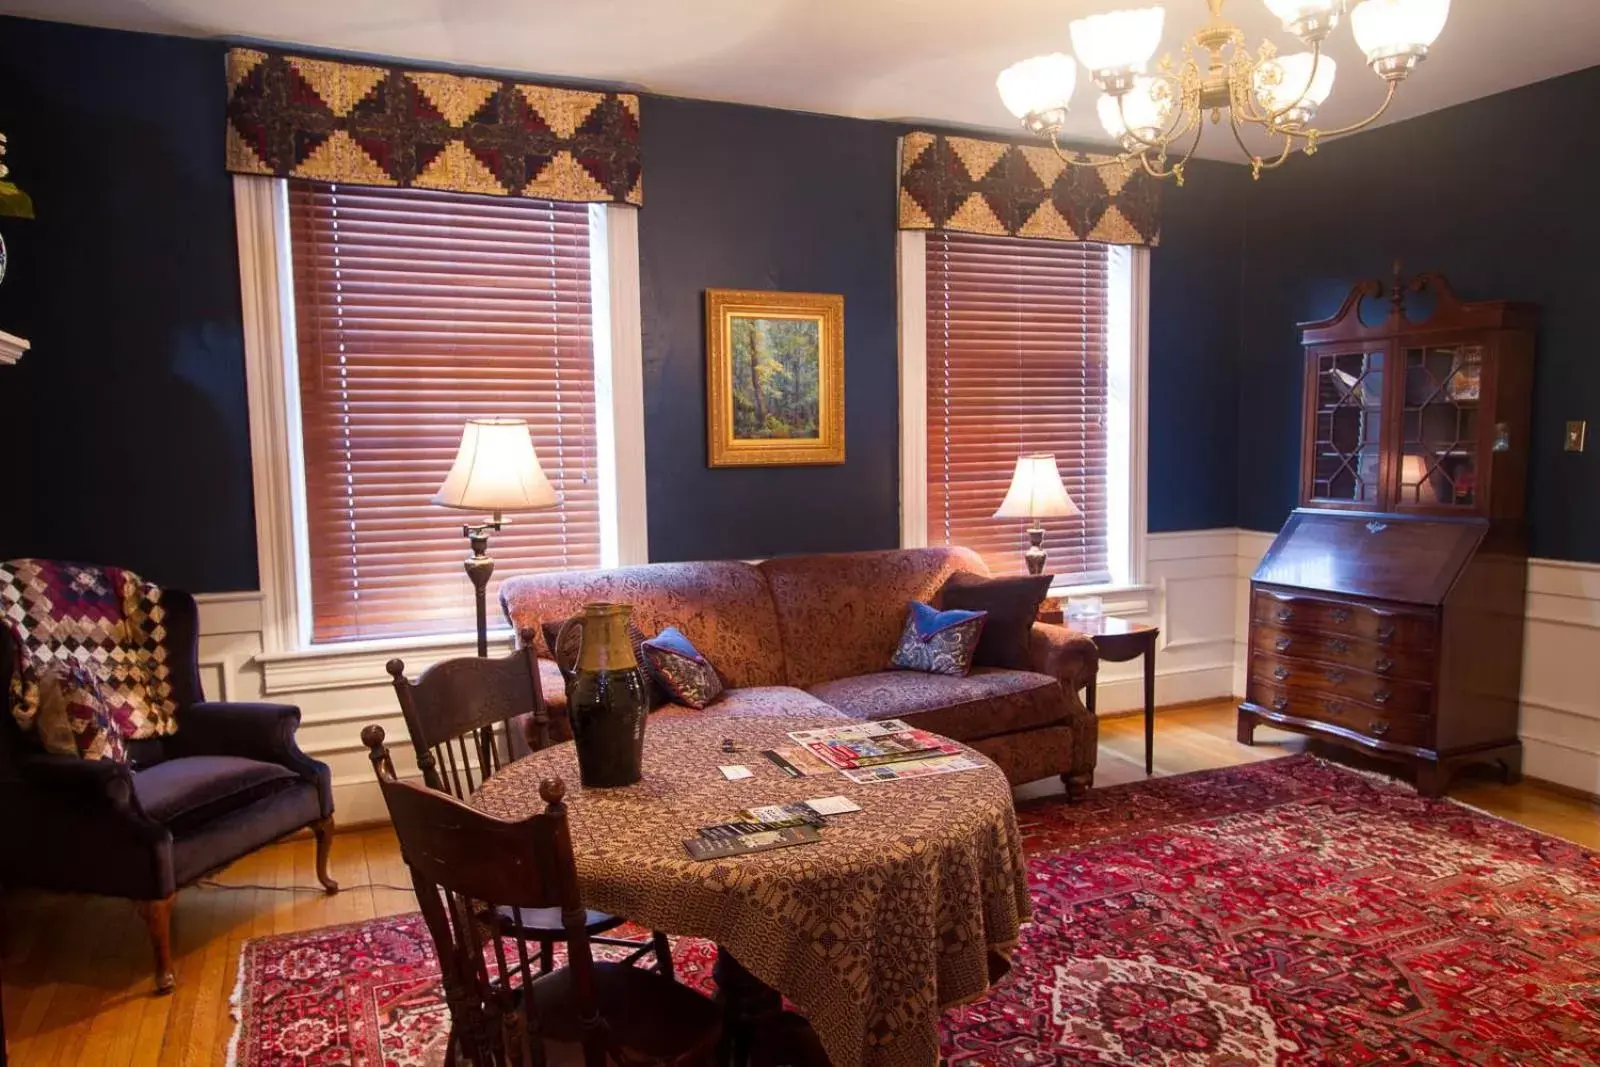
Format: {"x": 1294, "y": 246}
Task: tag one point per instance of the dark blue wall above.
{"x": 750, "y": 198}
{"x": 123, "y": 432}
{"x": 1194, "y": 331}
{"x": 1499, "y": 195}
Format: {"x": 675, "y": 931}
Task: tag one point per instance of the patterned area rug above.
{"x": 1290, "y": 912}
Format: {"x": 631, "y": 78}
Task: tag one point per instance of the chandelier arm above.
{"x": 1388, "y": 98}
{"x": 1123, "y": 159}
{"x": 1165, "y": 137}
{"x": 1257, "y": 163}
{"x": 1176, "y": 170}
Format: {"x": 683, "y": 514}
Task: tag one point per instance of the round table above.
{"x": 905, "y": 908}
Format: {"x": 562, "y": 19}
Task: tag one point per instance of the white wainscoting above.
{"x": 1196, "y": 591}
{"x": 1560, "y": 726}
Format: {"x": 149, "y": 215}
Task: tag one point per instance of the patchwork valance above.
{"x": 332, "y": 120}
{"x": 996, "y": 187}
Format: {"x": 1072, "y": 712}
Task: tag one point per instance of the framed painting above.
{"x": 774, "y": 378}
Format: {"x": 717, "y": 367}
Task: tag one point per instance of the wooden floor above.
{"x": 77, "y": 970}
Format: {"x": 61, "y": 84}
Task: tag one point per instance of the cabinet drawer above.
{"x": 1377, "y": 693}
{"x": 1383, "y": 660}
{"x": 1303, "y": 613}
{"x": 1390, "y": 727}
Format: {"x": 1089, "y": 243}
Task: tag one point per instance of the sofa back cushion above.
{"x": 722, "y": 607}
{"x": 841, "y": 615}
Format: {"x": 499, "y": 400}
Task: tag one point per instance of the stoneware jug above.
{"x": 606, "y": 699}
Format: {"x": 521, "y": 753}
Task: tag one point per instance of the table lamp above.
{"x": 1036, "y": 493}
{"x": 496, "y": 471}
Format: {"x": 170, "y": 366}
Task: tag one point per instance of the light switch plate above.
{"x": 1577, "y": 430}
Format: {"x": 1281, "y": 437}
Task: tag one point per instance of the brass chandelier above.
{"x": 1158, "y": 118}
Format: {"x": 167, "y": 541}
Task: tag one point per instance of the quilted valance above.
{"x": 333, "y": 120}
{"x": 996, "y": 187}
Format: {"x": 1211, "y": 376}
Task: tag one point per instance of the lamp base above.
{"x": 1035, "y": 556}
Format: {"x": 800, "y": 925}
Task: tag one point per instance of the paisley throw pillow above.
{"x": 681, "y": 670}
{"x": 938, "y": 642}
{"x": 73, "y": 718}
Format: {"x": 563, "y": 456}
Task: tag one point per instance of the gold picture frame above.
{"x": 774, "y": 378}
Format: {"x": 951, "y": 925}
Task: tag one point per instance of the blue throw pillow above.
{"x": 681, "y": 669}
{"x": 938, "y": 642}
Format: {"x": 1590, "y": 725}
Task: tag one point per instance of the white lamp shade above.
{"x": 496, "y": 470}
{"x": 1037, "y": 85}
{"x": 1395, "y": 27}
{"x": 1036, "y": 491}
{"x": 1280, "y": 82}
{"x": 1291, "y": 11}
{"x": 1146, "y": 107}
{"x": 1118, "y": 40}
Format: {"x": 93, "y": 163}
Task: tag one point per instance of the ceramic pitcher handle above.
{"x": 569, "y": 671}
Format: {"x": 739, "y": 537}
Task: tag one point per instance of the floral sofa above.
{"x": 812, "y": 636}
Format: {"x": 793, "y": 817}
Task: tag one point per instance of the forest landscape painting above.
{"x": 775, "y": 378}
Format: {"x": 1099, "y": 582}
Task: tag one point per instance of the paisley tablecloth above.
{"x": 905, "y": 908}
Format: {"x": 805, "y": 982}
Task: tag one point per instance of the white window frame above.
{"x": 1126, "y": 426}
{"x": 290, "y": 661}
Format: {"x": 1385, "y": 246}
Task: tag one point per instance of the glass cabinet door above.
{"x": 1346, "y": 428}
{"x": 1440, "y": 426}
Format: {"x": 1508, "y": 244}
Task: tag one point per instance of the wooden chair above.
{"x": 462, "y": 716}
{"x": 478, "y": 880}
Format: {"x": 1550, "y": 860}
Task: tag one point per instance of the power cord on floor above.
{"x": 211, "y": 883}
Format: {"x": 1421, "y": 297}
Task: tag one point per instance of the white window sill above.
{"x": 1124, "y": 600}
{"x": 356, "y": 664}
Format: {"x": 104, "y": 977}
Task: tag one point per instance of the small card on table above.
{"x": 833, "y": 805}
{"x": 734, "y": 772}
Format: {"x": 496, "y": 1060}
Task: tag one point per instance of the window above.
{"x": 1014, "y": 346}
{"x": 414, "y": 311}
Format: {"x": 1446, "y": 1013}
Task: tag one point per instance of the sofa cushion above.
{"x": 759, "y": 702}
{"x": 842, "y": 615}
{"x": 939, "y": 642}
{"x": 1012, "y": 605}
{"x": 723, "y": 607}
{"x": 187, "y": 793}
{"x": 986, "y": 702}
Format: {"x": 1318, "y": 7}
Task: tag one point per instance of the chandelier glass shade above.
{"x": 1158, "y": 117}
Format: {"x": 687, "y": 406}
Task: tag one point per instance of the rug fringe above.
{"x": 236, "y": 1004}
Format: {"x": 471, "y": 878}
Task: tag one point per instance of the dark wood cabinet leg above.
{"x": 1432, "y": 778}
{"x": 1247, "y": 728}
{"x": 1510, "y": 760}
{"x": 322, "y": 830}
{"x": 157, "y": 916}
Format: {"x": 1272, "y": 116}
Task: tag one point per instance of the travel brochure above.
{"x": 769, "y": 826}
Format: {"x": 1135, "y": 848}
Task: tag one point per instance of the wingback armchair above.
{"x": 195, "y": 785}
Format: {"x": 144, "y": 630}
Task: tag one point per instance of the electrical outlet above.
{"x": 1577, "y": 430}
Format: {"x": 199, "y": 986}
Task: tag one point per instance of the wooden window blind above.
{"x": 416, "y": 310}
{"x": 1017, "y": 340}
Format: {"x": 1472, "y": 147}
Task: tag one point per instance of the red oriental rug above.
{"x": 1290, "y": 912}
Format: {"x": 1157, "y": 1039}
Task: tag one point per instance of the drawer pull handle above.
{"x": 1383, "y": 696}
{"x": 1280, "y": 703}
{"x": 1285, "y": 614}
{"x": 1341, "y": 615}
{"x": 1283, "y": 643}
{"x": 1333, "y": 706}
{"x": 1384, "y": 666}
{"x": 1386, "y": 633}
{"x": 1340, "y": 647}
{"x": 1336, "y": 677}
{"x": 1280, "y": 673}
{"x": 1378, "y": 728}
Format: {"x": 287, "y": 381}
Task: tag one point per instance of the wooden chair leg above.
{"x": 547, "y": 956}
{"x": 157, "y": 916}
{"x": 663, "y": 954}
{"x": 322, "y": 829}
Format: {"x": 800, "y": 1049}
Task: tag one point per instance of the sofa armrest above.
{"x": 249, "y": 730}
{"x": 1068, "y": 657}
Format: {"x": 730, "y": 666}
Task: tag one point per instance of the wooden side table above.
{"x": 1118, "y": 641}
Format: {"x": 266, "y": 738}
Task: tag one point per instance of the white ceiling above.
{"x": 921, "y": 60}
